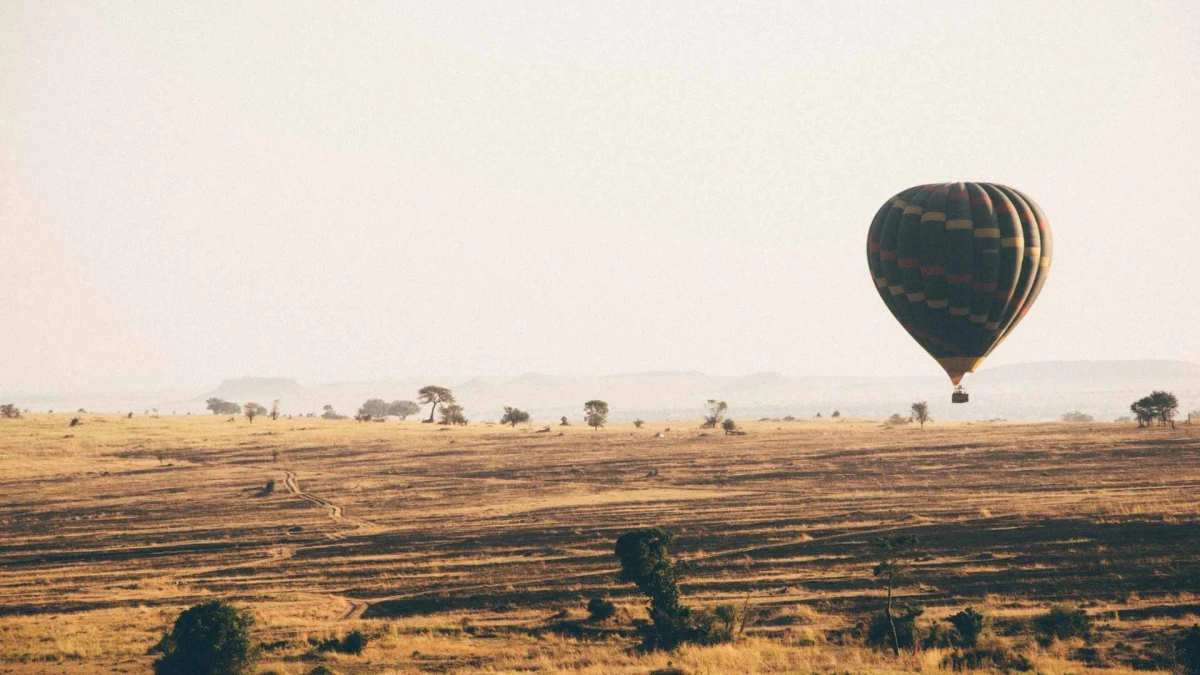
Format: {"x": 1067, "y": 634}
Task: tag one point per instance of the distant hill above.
{"x": 1018, "y": 392}
{"x": 250, "y": 388}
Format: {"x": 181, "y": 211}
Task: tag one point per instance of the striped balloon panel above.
{"x": 959, "y": 265}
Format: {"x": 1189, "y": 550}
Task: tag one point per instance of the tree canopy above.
{"x": 211, "y": 638}
{"x": 435, "y": 395}
{"x": 596, "y": 413}
{"x": 514, "y": 416}
{"x": 403, "y": 409}
{"x": 220, "y": 406}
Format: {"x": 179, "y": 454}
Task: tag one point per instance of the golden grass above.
{"x": 422, "y": 528}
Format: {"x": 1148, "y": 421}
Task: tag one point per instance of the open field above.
{"x": 456, "y": 549}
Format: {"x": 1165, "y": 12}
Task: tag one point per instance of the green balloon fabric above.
{"x": 959, "y": 265}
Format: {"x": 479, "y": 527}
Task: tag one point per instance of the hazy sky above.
{"x": 194, "y": 191}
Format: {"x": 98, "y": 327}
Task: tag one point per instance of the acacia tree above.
{"x": 10, "y": 411}
{"x": 252, "y": 410}
{"x": 403, "y": 409}
{"x": 274, "y": 409}
{"x": 1159, "y": 405}
{"x": 716, "y": 413}
{"x": 895, "y": 554}
{"x": 453, "y": 414}
{"x": 596, "y": 413}
{"x": 514, "y": 416}
{"x": 435, "y": 395}
{"x": 920, "y": 413}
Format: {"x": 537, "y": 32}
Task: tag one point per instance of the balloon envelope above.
{"x": 959, "y": 265}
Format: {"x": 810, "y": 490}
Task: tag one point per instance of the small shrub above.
{"x": 1076, "y": 416}
{"x": 1062, "y": 623}
{"x": 879, "y": 631}
{"x": 969, "y": 625}
{"x": 897, "y": 420}
{"x": 600, "y": 609}
{"x": 75, "y": 421}
{"x": 729, "y": 618}
{"x": 1187, "y": 651}
{"x": 637, "y": 423}
{"x": 269, "y": 488}
{"x": 998, "y": 657}
{"x": 10, "y": 411}
{"x": 354, "y": 643}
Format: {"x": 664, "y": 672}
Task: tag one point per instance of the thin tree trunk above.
{"x": 431, "y": 411}
{"x": 892, "y": 622}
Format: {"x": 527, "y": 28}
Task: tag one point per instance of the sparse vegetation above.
{"x": 9, "y": 411}
{"x": 1076, "y": 416}
{"x": 274, "y": 414}
{"x": 595, "y": 412}
{"x": 638, "y": 423}
{"x": 729, "y": 426}
{"x": 898, "y": 420}
{"x": 500, "y": 579}
{"x": 330, "y": 414}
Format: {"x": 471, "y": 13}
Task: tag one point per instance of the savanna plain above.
{"x": 476, "y": 549}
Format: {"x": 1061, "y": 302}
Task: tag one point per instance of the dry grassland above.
{"x": 457, "y": 549}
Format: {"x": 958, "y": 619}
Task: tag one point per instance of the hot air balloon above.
{"x": 959, "y": 265}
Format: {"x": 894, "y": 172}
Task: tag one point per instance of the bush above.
{"x": 879, "y": 631}
{"x": 1076, "y": 416}
{"x": 1187, "y": 652}
{"x": 269, "y": 488}
{"x": 600, "y": 609}
{"x": 209, "y": 638}
{"x": 969, "y": 625}
{"x": 353, "y": 643}
{"x": 898, "y": 420}
{"x": 998, "y": 657}
{"x": 1062, "y": 623}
